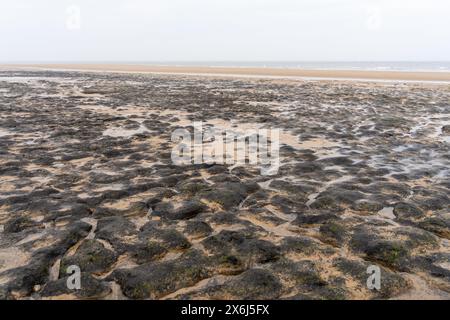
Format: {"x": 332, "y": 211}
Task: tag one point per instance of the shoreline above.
{"x": 415, "y": 76}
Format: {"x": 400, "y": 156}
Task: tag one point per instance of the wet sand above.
{"x": 245, "y": 71}
{"x": 86, "y": 178}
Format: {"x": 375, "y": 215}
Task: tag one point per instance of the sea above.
{"x": 434, "y": 66}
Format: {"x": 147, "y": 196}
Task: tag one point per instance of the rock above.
{"x": 312, "y": 219}
{"x": 303, "y": 274}
{"x": 161, "y": 208}
{"x": 307, "y": 167}
{"x": 332, "y": 292}
{"x": 392, "y": 284}
{"x": 148, "y": 251}
{"x": 403, "y": 210}
{"x": 115, "y": 194}
{"x": 390, "y": 188}
{"x": 4, "y": 294}
{"x": 229, "y": 194}
{"x": 159, "y": 197}
{"x": 197, "y": 229}
{"x": 391, "y": 246}
{"x": 226, "y": 218}
{"x": 172, "y": 180}
{"x": 102, "y": 178}
{"x": 436, "y": 225}
{"x": 91, "y": 257}
{"x": 367, "y": 206}
{"x": 262, "y": 215}
{"x": 43, "y": 192}
{"x": 254, "y": 284}
{"x": 91, "y": 288}
{"x": 289, "y": 205}
{"x": 217, "y": 169}
{"x": 391, "y": 122}
{"x": 297, "y": 189}
{"x": 337, "y": 161}
{"x": 434, "y": 203}
{"x": 102, "y": 212}
{"x": 342, "y": 196}
{"x": 170, "y": 239}
{"x": 144, "y": 186}
{"x": 370, "y": 240}
{"x": 185, "y": 210}
{"x": 446, "y": 129}
{"x": 110, "y": 228}
{"x": 19, "y": 224}
{"x": 173, "y": 240}
{"x": 259, "y": 251}
{"x": 138, "y": 208}
{"x": 23, "y": 279}
{"x": 220, "y": 178}
{"x": 390, "y": 253}
{"x": 333, "y": 233}
{"x": 301, "y": 245}
{"x": 435, "y": 265}
{"x": 416, "y": 238}
{"x": 191, "y": 188}
{"x": 229, "y": 264}
{"x": 72, "y": 212}
{"x": 323, "y": 202}
{"x": 243, "y": 246}
{"x": 243, "y": 172}
{"x": 157, "y": 279}
{"x": 78, "y": 210}
{"x": 115, "y": 230}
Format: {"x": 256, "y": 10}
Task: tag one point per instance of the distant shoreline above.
{"x": 246, "y": 71}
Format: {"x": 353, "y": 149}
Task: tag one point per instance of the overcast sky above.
{"x": 219, "y": 30}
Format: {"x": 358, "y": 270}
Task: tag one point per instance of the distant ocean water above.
{"x": 436, "y": 66}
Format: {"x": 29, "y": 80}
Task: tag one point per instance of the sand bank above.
{"x": 244, "y": 71}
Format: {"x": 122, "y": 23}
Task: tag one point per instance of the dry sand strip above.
{"x": 273, "y": 72}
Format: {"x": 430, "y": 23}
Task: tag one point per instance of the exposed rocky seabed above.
{"x": 86, "y": 179}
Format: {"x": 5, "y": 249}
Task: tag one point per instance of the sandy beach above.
{"x": 263, "y": 72}
{"x": 87, "y": 179}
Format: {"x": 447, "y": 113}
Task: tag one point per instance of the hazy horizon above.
{"x": 227, "y": 31}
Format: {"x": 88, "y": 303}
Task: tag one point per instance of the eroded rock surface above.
{"x": 86, "y": 179}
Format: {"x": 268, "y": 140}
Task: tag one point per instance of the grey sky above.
{"x": 158, "y": 30}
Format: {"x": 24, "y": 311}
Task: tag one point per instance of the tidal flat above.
{"x": 87, "y": 179}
